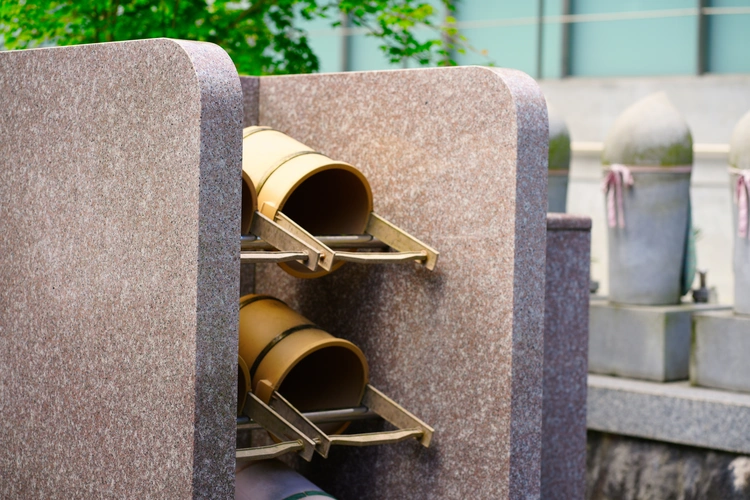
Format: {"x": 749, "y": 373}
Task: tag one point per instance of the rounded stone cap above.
{"x": 650, "y": 132}
{"x": 739, "y": 146}
{"x": 559, "y": 141}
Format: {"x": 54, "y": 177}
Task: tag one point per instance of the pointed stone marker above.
{"x": 650, "y": 154}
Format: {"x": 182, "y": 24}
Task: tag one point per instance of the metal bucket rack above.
{"x": 283, "y": 240}
{"x": 298, "y": 432}
{"x": 274, "y": 237}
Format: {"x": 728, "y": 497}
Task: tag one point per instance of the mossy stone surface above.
{"x": 739, "y": 146}
{"x": 559, "y": 141}
{"x": 651, "y": 132}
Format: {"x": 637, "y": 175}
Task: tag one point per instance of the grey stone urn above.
{"x": 739, "y": 160}
{"x": 649, "y": 224}
{"x": 559, "y": 162}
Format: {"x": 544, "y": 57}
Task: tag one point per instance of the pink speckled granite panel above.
{"x": 566, "y": 328}
{"x": 457, "y": 157}
{"x": 119, "y": 270}
{"x": 250, "y": 96}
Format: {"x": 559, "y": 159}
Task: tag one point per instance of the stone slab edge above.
{"x": 218, "y": 268}
{"x": 567, "y": 222}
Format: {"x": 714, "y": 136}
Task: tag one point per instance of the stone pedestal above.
{"x": 719, "y": 358}
{"x": 644, "y": 342}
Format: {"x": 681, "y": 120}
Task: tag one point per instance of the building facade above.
{"x": 593, "y": 58}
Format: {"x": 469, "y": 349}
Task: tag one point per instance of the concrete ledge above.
{"x": 672, "y": 412}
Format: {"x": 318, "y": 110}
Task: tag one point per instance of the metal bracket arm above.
{"x": 279, "y": 427}
{"x": 400, "y": 240}
{"x": 282, "y": 239}
{"x": 378, "y": 404}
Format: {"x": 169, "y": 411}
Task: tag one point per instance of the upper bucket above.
{"x": 323, "y": 196}
{"x": 309, "y": 367}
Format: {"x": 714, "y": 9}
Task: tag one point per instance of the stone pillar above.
{"x": 566, "y": 338}
{"x": 119, "y": 270}
{"x": 559, "y": 162}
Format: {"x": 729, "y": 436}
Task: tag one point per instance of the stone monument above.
{"x": 456, "y": 156}
{"x": 643, "y": 330}
{"x": 119, "y": 270}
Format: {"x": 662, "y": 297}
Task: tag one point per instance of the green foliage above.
{"x": 261, "y": 36}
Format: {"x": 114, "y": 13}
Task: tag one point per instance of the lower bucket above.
{"x": 287, "y": 353}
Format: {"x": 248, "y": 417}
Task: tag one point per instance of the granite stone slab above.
{"x": 250, "y": 90}
{"x": 119, "y": 270}
{"x": 673, "y": 412}
{"x": 644, "y": 342}
{"x": 719, "y": 358}
{"x": 566, "y": 326}
{"x": 457, "y": 157}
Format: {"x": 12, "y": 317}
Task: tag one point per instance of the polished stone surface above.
{"x": 719, "y": 357}
{"x": 119, "y": 270}
{"x": 673, "y": 412}
{"x": 456, "y": 157}
{"x": 565, "y": 356}
{"x": 644, "y": 342}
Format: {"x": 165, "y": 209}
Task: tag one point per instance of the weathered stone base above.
{"x": 721, "y": 342}
{"x": 620, "y": 467}
{"x": 644, "y": 342}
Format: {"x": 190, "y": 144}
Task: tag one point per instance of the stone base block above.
{"x": 721, "y": 341}
{"x": 645, "y": 342}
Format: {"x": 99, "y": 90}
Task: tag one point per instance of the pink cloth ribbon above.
{"x": 742, "y": 194}
{"x": 617, "y": 177}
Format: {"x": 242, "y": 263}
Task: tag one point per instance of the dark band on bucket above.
{"x": 256, "y": 298}
{"x": 255, "y": 130}
{"x": 304, "y": 494}
{"x": 269, "y": 172}
{"x": 275, "y": 341}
